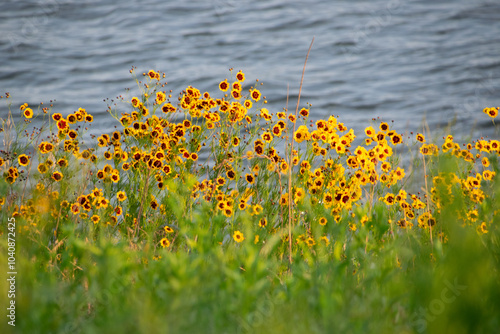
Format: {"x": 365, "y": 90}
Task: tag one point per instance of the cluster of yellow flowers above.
{"x": 161, "y": 141}
{"x": 492, "y": 112}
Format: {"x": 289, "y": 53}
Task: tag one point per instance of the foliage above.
{"x": 198, "y": 214}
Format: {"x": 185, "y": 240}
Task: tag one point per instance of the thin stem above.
{"x": 146, "y": 186}
{"x": 427, "y": 198}
{"x": 291, "y": 159}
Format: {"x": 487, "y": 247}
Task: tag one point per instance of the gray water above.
{"x": 407, "y": 61}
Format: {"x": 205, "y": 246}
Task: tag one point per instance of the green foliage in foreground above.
{"x": 396, "y": 285}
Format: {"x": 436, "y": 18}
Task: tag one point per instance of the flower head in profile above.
{"x": 420, "y": 137}
{"x": 482, "y": 229}
{"x": 299, "y": 195}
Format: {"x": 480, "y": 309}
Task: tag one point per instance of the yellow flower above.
{"x": 310, "y": 242}
{"x": 238, "y": 236}
{"x": 71, "y": 119}
{"x": 118, "y": 210}
{"x": 95, "y": 219}
{"x": 325, "y": 240}
{"x": 255, "y": 94}
{"x": 168, "y": 229}
{"x": 224, "y": 85}
{"x": 420, "y": 137}
{"x": 57, "y": 176}
{"x": 236, "y": 86}
{"x": 231, "y": 175}
{"x": 240, "y": 76}
{"x": 492, "y": 112}
{"x": 62, "y": 124}
{"x": 23, "y": 160}
{"x": 153, "y": 204}
{"x": 364, "y": 220}
{"x": 121, "y": 196}
{"x": 75, "y": 208}
{"x": 267, "y": 137}
{"x": 45, "y": 147}
{"x": 425, "y": 220}
{"x": 115, "y": 176}
{"x": 165, "y": 242}
{"x": 263, "y": 222}
{"x": 257, "y": 209}
{"x": 370, "y": 132}
{"x": 429, "y": 149}
{"x": 301, "y": 134}
{"x": 482, "y": 228}
{"x": 154, "y": 75}
{"x": 472, "y": 215}
{"x": 168, "y": 108}
{"x": 384, "y": 127}
{"x": 284, "y": 167}
{"x": 396, "y": 139}
{"x": 228, "y": 211}
{"x": 28, "y": 113}
{"x": 322, "y": 221}
{"x": 488, "y": 175}
{"x": 299, "y": 195}
{"x": 220, "y": 181}
{"x": 250, "y": 178}
{"x": 388, "y": 199}
{"x": 304, "y": 112}
{"x": 160, "y": 97}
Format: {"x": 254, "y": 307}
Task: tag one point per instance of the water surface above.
{"x": 407, "y": 61}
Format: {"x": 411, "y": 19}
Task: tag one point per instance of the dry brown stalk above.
{"x": 290, "y": 165}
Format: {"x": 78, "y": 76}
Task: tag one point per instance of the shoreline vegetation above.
{"x": 285, "y": 226}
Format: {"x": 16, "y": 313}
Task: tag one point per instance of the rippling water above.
{"x": 400, "y": 60}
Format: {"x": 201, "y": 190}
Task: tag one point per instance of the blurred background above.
{"x": 401, "y": 60}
